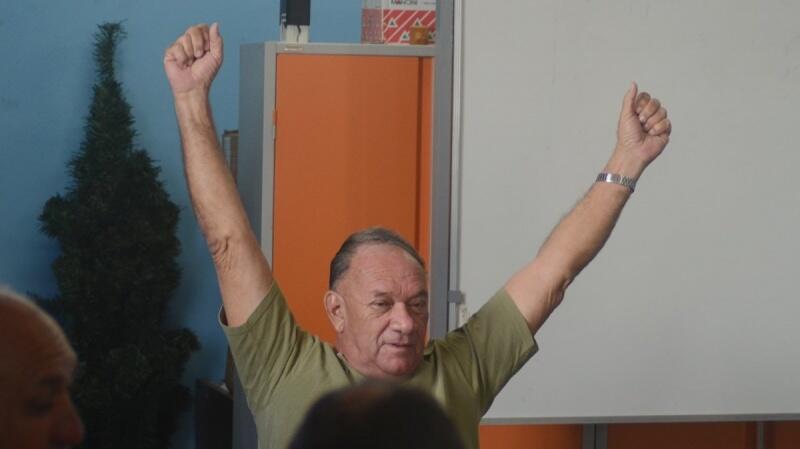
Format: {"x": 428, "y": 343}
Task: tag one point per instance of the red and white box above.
{"x": 390, "y": 21}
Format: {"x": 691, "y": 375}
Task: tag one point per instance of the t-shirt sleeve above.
{"x": 263, "y": 346}
{"x": 492, "y": 346}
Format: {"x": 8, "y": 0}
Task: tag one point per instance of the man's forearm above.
{"x": 582, "y": 233}
{"x": 242, "y": 270}
{"x": 213, "y": 192}
{"x": 539, "y": 287}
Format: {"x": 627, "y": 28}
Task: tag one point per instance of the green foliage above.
{"x": 116, "y": 273}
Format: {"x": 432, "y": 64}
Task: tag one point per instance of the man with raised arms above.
{"x": 377, "y": 299}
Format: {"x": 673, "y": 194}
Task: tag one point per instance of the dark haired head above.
{"x": 369, "y": 236}
{"x": 376, "y": 415}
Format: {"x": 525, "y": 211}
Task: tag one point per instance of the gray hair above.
{"x": 369, "y": 236}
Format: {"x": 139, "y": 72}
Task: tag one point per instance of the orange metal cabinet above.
{"x": 352, "y": 150}
{"x": 334, "y": 138}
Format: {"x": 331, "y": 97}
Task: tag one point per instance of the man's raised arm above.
{"x": 642, "y": 133}
{"x": 244, "y": 275}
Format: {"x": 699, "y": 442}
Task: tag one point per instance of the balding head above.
{"x": 25, "y": 328}
{"x": 36, "y": 367}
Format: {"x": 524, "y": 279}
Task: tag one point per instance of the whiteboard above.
{"x": 692, "y": 310}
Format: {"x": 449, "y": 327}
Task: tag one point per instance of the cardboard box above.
{"x": 390, "y": 21}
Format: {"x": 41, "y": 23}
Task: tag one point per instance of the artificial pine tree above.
{"x": 116, "y": 273}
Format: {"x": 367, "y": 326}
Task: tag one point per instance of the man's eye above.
{"x": 38, "y": 408}
{"x": 381, "y": 304}
{"x": 419, "y": 305}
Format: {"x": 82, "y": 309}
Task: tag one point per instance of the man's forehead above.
{"x": 43, "y": 369}
{"x": 55, "y": 377}
{"x": 386, "y": 261}
{"x": 33, "y": 340}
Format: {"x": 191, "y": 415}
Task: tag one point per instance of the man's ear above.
{"x": 335, "y": 307}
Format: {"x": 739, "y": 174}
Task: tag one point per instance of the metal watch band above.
{"x": 615, "y": 178}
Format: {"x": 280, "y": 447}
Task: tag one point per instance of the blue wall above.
{"x": 46, "y": 74}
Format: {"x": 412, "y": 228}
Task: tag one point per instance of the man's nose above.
{"x": 68, "y": 428}
{"x": 402, "y": 321}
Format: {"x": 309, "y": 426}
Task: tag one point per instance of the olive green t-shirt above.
{"x": 284, "y": 369}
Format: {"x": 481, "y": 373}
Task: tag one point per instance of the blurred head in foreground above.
{"x": 376, "y": 415}
{"x": 36, "y": 368}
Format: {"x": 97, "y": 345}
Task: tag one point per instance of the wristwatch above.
{"x": 615, "y": 178}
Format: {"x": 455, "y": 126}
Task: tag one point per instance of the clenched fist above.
{"x": 192, "y": 61}
{"x": 642, "y": 133}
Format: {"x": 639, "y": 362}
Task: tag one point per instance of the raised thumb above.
{"x": 629, "y": 102}
{"x": 216, "y": 39}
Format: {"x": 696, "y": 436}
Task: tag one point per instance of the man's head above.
{"x": 378, "y": 303}
{"x": 376, "y": 416}
{"x": 36, "y": 367}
